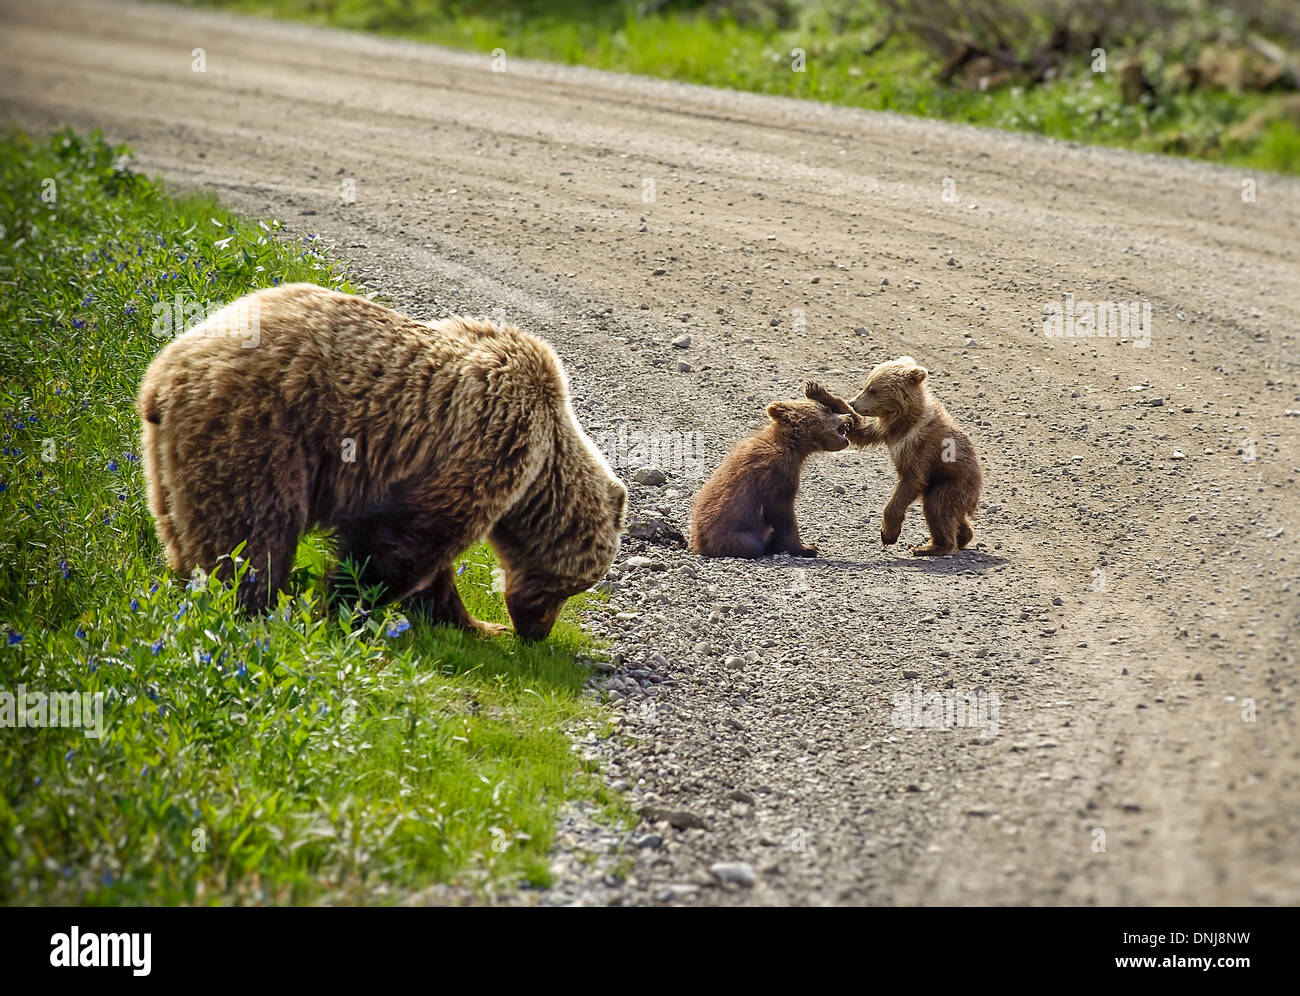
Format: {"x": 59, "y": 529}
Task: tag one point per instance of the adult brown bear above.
{"x": 299, "y": 406}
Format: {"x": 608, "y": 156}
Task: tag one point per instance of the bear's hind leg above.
{"x": 943, "y": 513}
{"x": 748, "y": 544}
{"x": 272, "y": 532}
{"x": 212, "y": 516}
{"x": 155, "y": 473}
{"x": 269, "y": 563}
{"x": 965, "y": 533}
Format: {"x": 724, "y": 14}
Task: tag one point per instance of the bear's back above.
{"x": 322, "y": 368}
{"x": 309, "y": 347}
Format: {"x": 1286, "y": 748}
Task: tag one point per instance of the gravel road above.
{"x": 1096, "y": 705}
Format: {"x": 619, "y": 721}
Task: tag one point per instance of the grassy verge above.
{"x": 296, "y": 758}
{"x": 759, "y": 55}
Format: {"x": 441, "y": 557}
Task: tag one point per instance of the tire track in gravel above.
{"x": 1120, "y": 710}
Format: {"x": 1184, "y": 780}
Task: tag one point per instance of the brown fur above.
{"x": 746, "y": 509}
{"x": 460, "y": 430}
{"x": 935, "y": 460}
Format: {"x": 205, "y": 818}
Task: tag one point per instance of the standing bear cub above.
{"x": 746, "y": 509}
{"x": 298, "y": 406}
{"x": 935, "y": 460}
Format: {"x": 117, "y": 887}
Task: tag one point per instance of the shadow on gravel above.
{"x": 814, "y": 563}
{"x": 957, "y": 563}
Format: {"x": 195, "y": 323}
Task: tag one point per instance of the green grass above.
{"x": 757, "y": 56}
{"x": 294, "y": 758}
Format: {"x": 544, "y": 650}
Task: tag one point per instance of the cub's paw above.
{"x": 805, "y": 551}
{"x": 889, "y": 534}
{"x": 813, "y": 391}
{"x": 930, "y": 550}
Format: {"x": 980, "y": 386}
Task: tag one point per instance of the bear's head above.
{"x": 809, "y": 426}
{"x": 895, "y": 392}
{"x": 560, "y": 539}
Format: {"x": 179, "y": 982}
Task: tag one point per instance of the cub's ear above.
{"x": 781, "y": 411}
{"x": 917, "y": 374}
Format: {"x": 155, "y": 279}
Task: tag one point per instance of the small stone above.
{"x": 737, "y": 873}
{"x": 652, "y": 476}
{"x": 682, "y": 819}
{"x": 682, "y": 342}
{"x": 655, "y": 530}
{"x": 646, "y": 564}
{"x": 734, "y": 663}
{"x": 684, "y": 367}
{"x": 652, "y": 840}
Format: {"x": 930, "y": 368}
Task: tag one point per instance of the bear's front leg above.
{"x": 401, "y": 540}
{"x": 813, "y": 391}
{"x": 863, "y": 432}
{"x": 904, "y": 494}
{"x": 439, "y": 602}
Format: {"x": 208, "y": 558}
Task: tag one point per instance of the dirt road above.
{"x": 1133, "y": 601}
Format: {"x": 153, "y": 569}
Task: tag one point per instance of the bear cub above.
{"x": 935, "y": 460}
{"x": 746, "y": 509}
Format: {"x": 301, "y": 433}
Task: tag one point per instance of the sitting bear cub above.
{"x": 746, "y": 509}
{"x": 409, "y": 441}
{"x": 935, "y": 460}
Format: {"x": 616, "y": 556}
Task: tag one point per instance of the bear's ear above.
{"x": 917, "y": 374}
{"x": 780, "y": 411}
